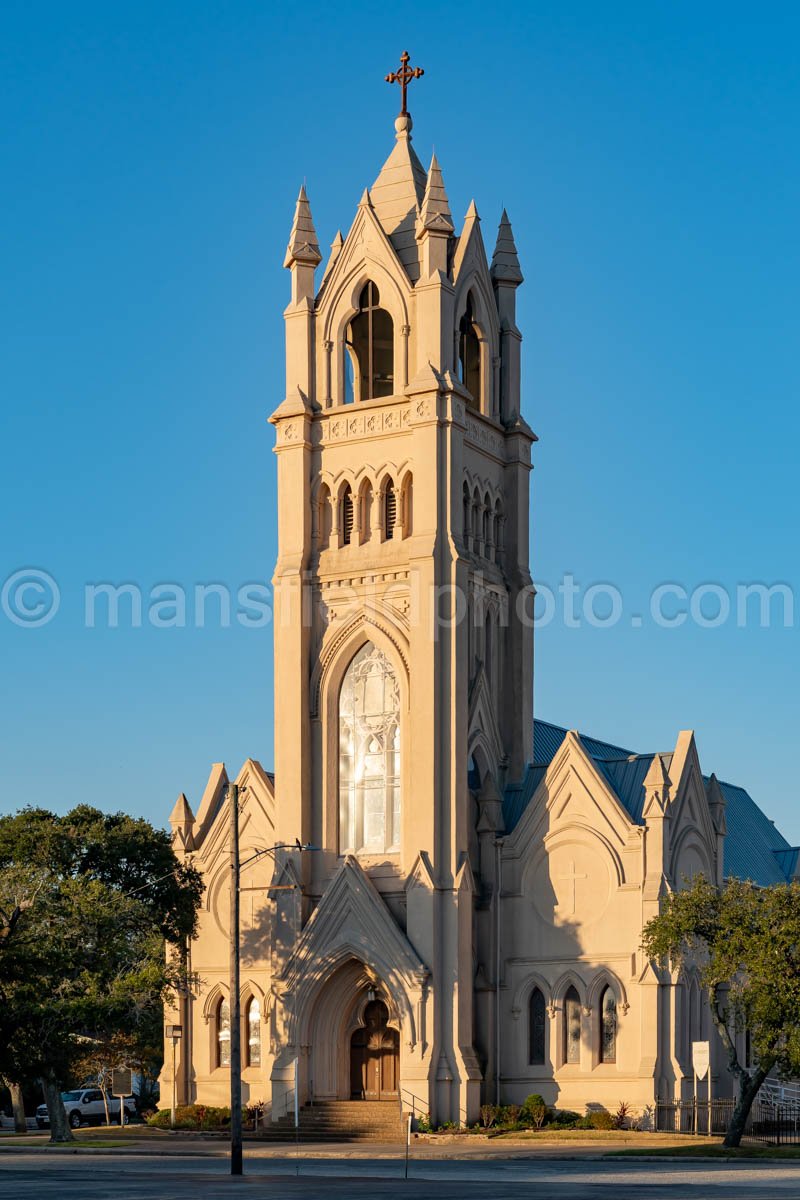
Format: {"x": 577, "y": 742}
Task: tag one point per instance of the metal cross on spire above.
{"x": 404, "y": 77}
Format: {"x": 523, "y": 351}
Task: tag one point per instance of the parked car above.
{"x": 85, "y": 1106}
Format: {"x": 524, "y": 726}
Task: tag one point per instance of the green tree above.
{"x": 86, "y": 961}
{"x": 745, "y": 941}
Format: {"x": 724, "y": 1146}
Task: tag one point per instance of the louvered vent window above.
{"x": 391, "y": 512}
{"x": 347, "y": 517}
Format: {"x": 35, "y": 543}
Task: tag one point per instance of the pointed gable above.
{"x": 397, "y": 195}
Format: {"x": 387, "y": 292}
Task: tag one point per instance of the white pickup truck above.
{"x": 85, "y": 1106}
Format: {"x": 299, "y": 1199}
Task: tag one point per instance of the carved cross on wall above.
{"x": 572, "y": 878}
{"x": 404, "y": 77}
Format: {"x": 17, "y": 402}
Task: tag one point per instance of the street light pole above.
{"x": 235, "y": 1002}
{"x": 174, "y": 1033}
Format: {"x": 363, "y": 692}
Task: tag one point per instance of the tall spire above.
{"x": 303, "y": 246}
{"x": 505, "y": 261}
{"x": 435, "y": 211}
{"x": 397, "y": 194}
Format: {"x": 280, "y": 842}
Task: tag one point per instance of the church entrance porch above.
{"x": 353, "y": 1040}
{"x": 374, "y": 1056}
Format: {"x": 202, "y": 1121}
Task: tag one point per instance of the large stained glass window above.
{"x": 537, "y": 1025}
{"x": 608, "y": 1027}
{"x": 369, "y": 754}
{"x": 254, "y": 1033}
{"x": 572, "y": 1027}
{"x": 223, "y": 1034}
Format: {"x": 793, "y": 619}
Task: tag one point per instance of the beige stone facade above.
{"x": 468, "y": 925}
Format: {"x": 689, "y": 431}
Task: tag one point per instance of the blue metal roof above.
{"x": 517, "y": 796}
{"x": 547, "y": 740}
{"x": 754, "y": 848}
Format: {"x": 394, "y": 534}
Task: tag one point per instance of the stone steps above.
{"x": 341, "y": 1121}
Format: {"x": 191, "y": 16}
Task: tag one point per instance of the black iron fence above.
{"x": 769, "y": 1123}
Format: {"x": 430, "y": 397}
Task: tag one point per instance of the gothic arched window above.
{"x": 223, "y": 1033}
{"x": 369, "y": 754}
{"x": 469, "y": 355}
{"x": 389, "y": 511}
{"x": 608, "y": 1026}
{"x": 253, "y": 1033}
{"x": 347, "y": 516}
{"x": 536, "y": 1028}
{"x": 467, "y": 515}
{"x": 572, "y": 1026}
{"x": 369, "y": 349}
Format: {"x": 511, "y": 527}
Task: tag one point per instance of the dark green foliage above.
{"x": 192, "y": 1116}
{"x": 534, "y": 1111}
{"x": 602, "y": 1120}
{"x": 85, "y": 964}
{"x": 745, "y": 941}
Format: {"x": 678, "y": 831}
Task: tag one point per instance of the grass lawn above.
{"x": 601, "y": 1137}
{"x": 711, "y": 1150}
{"x": 97, "y": 1136}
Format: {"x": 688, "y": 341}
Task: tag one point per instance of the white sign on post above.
{"x": 701, "y": 1058}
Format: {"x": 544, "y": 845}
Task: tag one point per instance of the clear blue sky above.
{"x": 647, "y": 155}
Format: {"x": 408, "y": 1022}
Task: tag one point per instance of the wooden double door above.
{"x": 374, "y": 1056}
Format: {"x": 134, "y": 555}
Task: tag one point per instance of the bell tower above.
{"x": 403, "y": 644}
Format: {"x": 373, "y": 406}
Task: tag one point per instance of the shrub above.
{"x": 646, "y": 1121}
{"x": 255, "y": 1113}
{"x": 489, "y": 1113}
{"x": 564, "y": 1118}
{"x": 192, "y": 1116}
{"x": 535, "y": 1111}
{"x": 423, "y": 1124}
{"x": 602, "y": 1120}
{"x": 622, "y": 1115}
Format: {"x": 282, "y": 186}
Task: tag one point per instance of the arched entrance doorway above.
{"x": 374, "y": 1055}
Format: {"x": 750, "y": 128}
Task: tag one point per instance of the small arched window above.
{"x": 469, "y": 355}
{"x": 223, "y": 1033}
{"x": 389, "y": 511}
{"x": 572, "y": 1026}
{"x": 253, "y": 1033}
{"x": 369, "y": 349}
{"x": 467, "y": 516}
{"x": 608, "y": 1026}
{"x": 536, "y": 1028}
{"x": 347, "y": 516}
{"x": 487, "y": 525}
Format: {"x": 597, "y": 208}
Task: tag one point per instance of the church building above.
{"x": 466, "y": 929}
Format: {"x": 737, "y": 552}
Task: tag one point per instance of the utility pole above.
{"x": 235, "y": 1002}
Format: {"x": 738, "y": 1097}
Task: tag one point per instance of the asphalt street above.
{"x": 116, "y": 1177}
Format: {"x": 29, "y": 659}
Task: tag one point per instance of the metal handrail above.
{"x": 424, "y": 1107}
